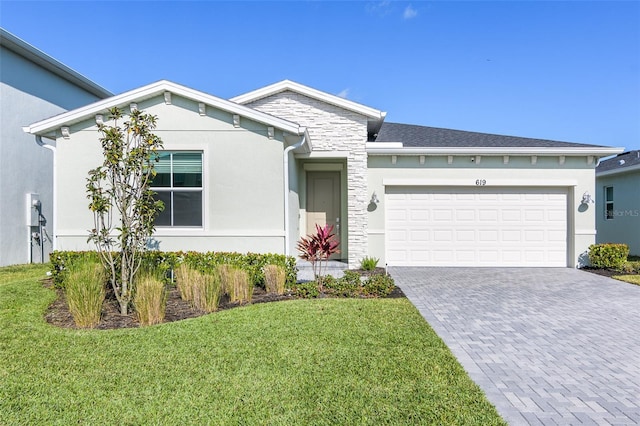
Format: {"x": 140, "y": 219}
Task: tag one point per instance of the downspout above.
{"x": 286, "y": 190}
{"x": 52, "y": 148}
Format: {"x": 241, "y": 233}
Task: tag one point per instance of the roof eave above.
{"x": 285, "y": 85}
{"x": 618, "y": 170}
{"x": 56, "y": 67}
{"x": 44, "y": 127}
{"x": 396, "y": 148}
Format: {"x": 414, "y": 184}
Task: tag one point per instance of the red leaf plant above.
{"x": 317, "y": 248}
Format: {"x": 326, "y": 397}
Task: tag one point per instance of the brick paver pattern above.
{"x": 547, "y": 345}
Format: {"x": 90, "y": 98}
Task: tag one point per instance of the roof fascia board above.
{"x": 285, "y": 85}
{"x": 155, "y": 89}
{"x": 541, "y": 151}
{"x": 620, "y": 170}
{"x": 38, "y": 57}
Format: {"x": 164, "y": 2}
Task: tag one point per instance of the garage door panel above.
{"x": 476, "y": 227}
{"x": 511, "y": 235}
{"x": 559, "y": 235}
{"x": 488, "y": 215}
{"x": 532, "y": 215}
{"x": 556, "y": 215}
{"x": 511, "y": 215}
{"x": 419, "y": 214}
{"x": 397, "y": 236}
{"x": 440, "y": 215}
{"x": 442, "y": 235}
{"x": 465, "y": 235}
{"x": 419, "y": 236}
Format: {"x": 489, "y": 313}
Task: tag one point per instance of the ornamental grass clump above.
{"x": 236, "y": 284}
{"x": 185, "y": 276}
{"x": 274, "y": 278}
{"x": 207, "y": 289}
{"x": 150, "y": 299}
{"x": 85, "y": 291}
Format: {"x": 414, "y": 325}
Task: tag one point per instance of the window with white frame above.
{"x": 608, "y": 202}
{"x": 178, "y": 184}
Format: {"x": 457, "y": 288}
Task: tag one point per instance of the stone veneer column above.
{"x": 357, "y": 206}
{"x": 332, "y": 128}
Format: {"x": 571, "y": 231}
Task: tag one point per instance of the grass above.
{"x": 85, "y": 289}
{"x": 150, "y": 299}
{"x": 328, "y": 361}
{"x": 633, "y": 279}
{"x": 275, "y": 278}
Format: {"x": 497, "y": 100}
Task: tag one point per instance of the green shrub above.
{"x": 378, "y": 286}
{"x": 306, "y": 290}
{"x": 150, "y": 298}
{"x": 252, "y": 263}
{"x": 349, "y": 285}
{"x": 608, "y": 255}
{"x": 85, "y": 290}
{"x": 369, "y": 263}
{"x": 274, "y": 278}
{"x": 631, "y": 267}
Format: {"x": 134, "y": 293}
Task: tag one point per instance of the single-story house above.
{"x": 618, "y": 200}
{"x": 258, "y": 171}
{"x": 33, "y": 85}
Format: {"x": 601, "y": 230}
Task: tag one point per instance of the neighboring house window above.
{"x": 608, "y": 202}
{"x": 178, "y": 183}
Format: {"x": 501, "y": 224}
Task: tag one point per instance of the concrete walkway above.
{"x": 547, "y": 346}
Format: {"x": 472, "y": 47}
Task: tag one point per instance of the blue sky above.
{"x": 562, "y": 70}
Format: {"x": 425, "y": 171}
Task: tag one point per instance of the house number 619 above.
{"x": 481, "y": 182}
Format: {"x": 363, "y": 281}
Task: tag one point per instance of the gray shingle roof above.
{"x": 433, "y": 137}
{"x": 620, "y": 161}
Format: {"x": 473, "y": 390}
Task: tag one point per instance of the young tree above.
{"x": 122, "y": 202}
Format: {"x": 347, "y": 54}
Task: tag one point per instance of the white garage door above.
{"x": 476, "y": 226}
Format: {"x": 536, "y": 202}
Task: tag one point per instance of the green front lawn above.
{"x": 328, "y": 361}
{"x": 633, "y": 279}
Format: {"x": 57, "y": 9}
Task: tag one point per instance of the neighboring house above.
{"x": 33, "y": 85}
{"x": 618, "y": 200}
{"x": 257, "y": 172}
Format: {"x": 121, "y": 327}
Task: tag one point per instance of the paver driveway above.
{"x": 548, "y": 346}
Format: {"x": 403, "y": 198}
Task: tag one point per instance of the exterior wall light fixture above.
{"x": 586, "y": 198}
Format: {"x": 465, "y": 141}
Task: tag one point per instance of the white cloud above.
{"x": 409, "y": 12}
{"x": 380, "y": 8}
{"x": 344, "y": 94}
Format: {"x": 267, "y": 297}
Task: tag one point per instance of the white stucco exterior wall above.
{"x": 576, "y": 175}
{"x": 335, "y": 132}
{"x": 242, "y": 180}
{"x": 28, "y": 93}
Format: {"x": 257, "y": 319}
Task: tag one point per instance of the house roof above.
{"x": 38, "y": 57}
{"x": 621, "y": 163}
{"x": 376, "y": 117}
{"x": 49, "y": 126}
{"x": 409, "y": 137}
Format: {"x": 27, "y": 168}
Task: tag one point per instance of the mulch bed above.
{"x": 604, "y": 272}
{"x": 177, "y": 309}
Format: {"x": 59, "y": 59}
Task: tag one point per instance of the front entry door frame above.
{"x": 330, "y": 179}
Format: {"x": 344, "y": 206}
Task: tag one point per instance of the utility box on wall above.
{"x": 33, "y": 209}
